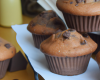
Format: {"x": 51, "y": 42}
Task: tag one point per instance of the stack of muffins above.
{"x": 82, "y": 15}
{"x": 67, "y": 51}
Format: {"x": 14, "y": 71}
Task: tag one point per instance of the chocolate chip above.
{"x": 71, "y": 30}
{"x": 57, "y": 22}
{"x": 71, "y": 2}
{"x": 58, "y": 31}
{"x": 15, "y": 79}
{"x": 7, "y": 45}
{"x": 40, "y": 14}
{"x": 66, "y": 35}
{"x": 43, "y": 14}
{"x": 33, "y": 24}
{"x": 83, "y": 42}
{"x": 85, "y": 35}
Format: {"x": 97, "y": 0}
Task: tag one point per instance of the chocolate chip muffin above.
{"x": 44, "y": 25}
{"x": 82, "y": 15}
{"x": 68, "y": 52}
{"x": 7, "y": 51}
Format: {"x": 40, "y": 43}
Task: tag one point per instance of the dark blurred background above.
{"x": 31, "y": 8}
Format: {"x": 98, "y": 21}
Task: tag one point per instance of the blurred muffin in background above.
{"x": 44, "y": 25}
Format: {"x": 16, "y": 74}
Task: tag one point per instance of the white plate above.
{"x": 38, "y": 61}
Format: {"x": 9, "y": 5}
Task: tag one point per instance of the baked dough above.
{"x": 46, "y": 23}
{"x": 79, "y": 7}
{"x": 68, "y": 43}
{"x": 7, "y": 50}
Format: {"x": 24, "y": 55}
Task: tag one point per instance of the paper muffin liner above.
{"x": 96, "y": 38}
{"x": 83, "y": 23}
{"x": 68, "y": 65}
{"x": 38, "y": 39}
{"x": 3, "y": 67}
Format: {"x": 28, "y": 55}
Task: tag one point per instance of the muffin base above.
{"x": 83, "y": 23}
{"x": 38, "y": 39}
{"x": 3, "y": 67}
{"x": 68, "y": 65}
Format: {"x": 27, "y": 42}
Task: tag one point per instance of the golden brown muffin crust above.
{"x": 68, "y": 43}
{"x": 7, "y": 50}
{"x": 79, "y": 7}
{"x": 46, "y": 23}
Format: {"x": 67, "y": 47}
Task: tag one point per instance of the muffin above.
{"x": 82, "y": 15}
{"x": 44, "y": 25}
{"x": 7, "y": 51}
{"x": 68, "y": 52}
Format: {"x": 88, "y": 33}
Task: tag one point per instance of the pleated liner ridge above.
{"x": 83, "y": 23}
{"x": 3, "y": 67}
{"x": 68, "y": 65}
{"x": 38, "y": 39}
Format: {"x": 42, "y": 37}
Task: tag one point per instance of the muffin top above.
{"x": 68, "y": 43}
{"x": 79, "y": 7}
{"x": 98, "y": 58}
{"x": 46, "y": 23}
{"x": 7, "y": 50}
